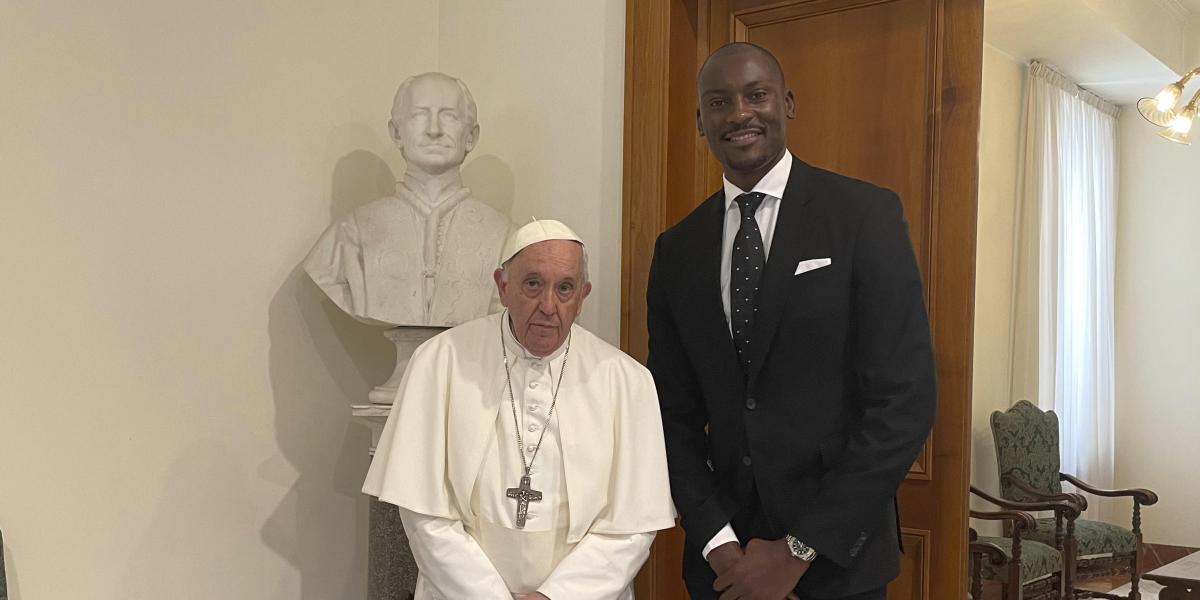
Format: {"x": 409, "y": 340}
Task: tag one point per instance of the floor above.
{"x": 1153, "y": 557}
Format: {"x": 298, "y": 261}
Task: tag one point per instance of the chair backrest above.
{"x": 1026, "y": 447}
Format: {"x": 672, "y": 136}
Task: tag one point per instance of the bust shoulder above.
{"x": 487, "y": 215}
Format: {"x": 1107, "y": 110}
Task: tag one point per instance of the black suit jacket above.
{"x": 816, "y": 438}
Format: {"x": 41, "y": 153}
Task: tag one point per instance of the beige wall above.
{"x": 1158, "y": 329}
{"x": 174, "y": 396}
{"x": 1192, "y": 33}
{"x": 999, "y": 129}
{"x": 552, "y": 73}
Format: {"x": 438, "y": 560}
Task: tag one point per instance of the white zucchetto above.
{"x": 537, "y": 230}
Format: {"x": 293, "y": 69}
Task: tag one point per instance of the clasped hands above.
{"x": 765, "y": 571}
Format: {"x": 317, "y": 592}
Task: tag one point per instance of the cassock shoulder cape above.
{"x": 432, "y": 447}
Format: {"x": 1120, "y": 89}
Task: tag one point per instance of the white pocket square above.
{"x": 805, "y": 266}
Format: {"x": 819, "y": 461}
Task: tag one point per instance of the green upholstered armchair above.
{"x": 1027, "y": 457}
{"x": 1026, "y": 569}
{"x": 982, "y": 550}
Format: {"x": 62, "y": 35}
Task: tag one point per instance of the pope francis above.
{"x": 525, "y": 454}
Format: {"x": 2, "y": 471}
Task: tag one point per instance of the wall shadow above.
{"x": 322, "y": 361}
{"x": 204, "y": 485}
{"x": 359, "y": 177}
{"x": 8, "y": 574}
{"x": 491, "y": 181}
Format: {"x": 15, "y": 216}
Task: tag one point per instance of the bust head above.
{"x": 434, "y": 122}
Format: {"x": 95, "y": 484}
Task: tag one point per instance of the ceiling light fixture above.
{"x": 1160, "y": 110}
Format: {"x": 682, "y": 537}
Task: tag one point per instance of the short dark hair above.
{"x": 733, "y": 47}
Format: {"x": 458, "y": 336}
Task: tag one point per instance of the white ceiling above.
{"x": 1080, "y": 43}
{"x": 1192, "y": 5}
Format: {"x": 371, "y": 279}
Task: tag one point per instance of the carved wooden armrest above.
{"x": 994, "y": 553}
{"x": 1069, "y": 509}
{"x": 1077, "y": 499}
{"x": 1020, "y": 520}
{"x": 1143, "y": 496}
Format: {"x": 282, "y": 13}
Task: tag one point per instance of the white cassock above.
{"x": 449, "y": 453}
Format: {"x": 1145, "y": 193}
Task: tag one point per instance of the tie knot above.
{"x": 748, "y": 203}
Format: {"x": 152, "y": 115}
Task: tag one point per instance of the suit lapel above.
{"x": 793, "y": 238}
{"x": 706, "y": 297}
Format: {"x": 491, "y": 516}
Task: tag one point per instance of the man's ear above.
{"x": 585, "y": 290}
{"x": 789, "y": 104}
{"x": 394, "y": 131}
{"x": 473, "y": 138}
{"x": 699, "y": 124}
{"x": 501, "y": 285}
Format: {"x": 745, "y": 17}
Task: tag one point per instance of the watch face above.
{"x": 800, "y": 550}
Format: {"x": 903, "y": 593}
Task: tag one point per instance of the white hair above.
{"x": 401, "y": 98}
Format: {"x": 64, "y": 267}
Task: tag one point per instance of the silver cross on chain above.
{"x": 525, "y": 493}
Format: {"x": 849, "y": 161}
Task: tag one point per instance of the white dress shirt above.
{"x": 772, "y": 186}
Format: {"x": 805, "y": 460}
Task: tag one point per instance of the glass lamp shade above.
{"x": 1180, "y": 126}
{"x": 1166, "y": 99}
{"x": 1175, "y": 136}
{"x": 1148, "y": 108}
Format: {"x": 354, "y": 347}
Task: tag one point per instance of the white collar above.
{"x": 772, "y": 184}
{"x": 517, "y": 350}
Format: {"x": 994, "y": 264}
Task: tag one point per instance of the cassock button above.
{"x": 533, "y": 385}
{"x": 533, "y": 408}
{"x": 531, "y": 448}
{"x": 746, "y": 460}
{"x": 533, "y": 427}
{"x": 750, "y": 403}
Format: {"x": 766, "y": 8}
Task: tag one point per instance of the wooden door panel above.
{"x": 863, "y": 81}
{"x": 913, "y": 581}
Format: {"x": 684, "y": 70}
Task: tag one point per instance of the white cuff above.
{"x": 724, "y": 536}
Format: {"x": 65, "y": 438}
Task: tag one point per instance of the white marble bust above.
{"x": 425, "y": 256}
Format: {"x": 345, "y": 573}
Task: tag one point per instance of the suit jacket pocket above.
{"x": 818, "y": 293}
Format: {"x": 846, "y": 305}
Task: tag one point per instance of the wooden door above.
{"x": 886, "y": 91}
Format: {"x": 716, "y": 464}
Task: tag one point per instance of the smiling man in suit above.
{"x": 791, "y": 350}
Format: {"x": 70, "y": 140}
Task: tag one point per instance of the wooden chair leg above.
{"x": 976, "y": 576}
{"x": 1016, "y": 588}
{"x": 1136, "y": 575}
{"x": 1070, "y": 552}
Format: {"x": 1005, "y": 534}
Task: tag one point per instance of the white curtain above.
{"x": 1063, "y": 302}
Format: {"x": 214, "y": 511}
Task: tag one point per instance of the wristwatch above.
{"x": 799, "y": 549}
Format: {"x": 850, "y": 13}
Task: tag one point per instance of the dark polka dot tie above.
{"x": 745, "y": 272}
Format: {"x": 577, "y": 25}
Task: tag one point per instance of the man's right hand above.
{"x": 725, "y": 556}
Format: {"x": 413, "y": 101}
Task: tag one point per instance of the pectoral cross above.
{"x": 524, "y": 495}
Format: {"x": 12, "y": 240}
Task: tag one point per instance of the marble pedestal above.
{"x": 391, "y": 569}
{"x": 406, "y": 340}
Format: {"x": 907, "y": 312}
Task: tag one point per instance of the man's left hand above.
{"x": 768, "y": 571}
